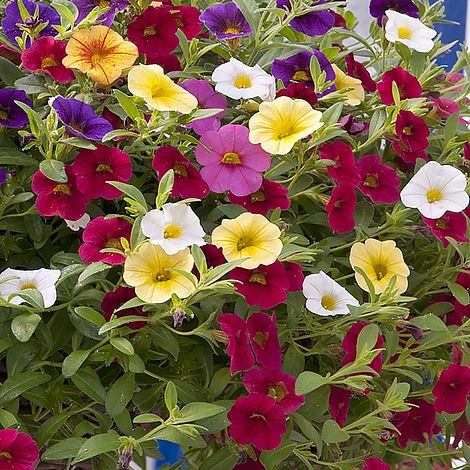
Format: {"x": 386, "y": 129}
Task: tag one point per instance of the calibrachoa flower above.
{"x": 408, "y": 85}
{"x": 18, "y": 451}
{"x": 452, "y": 389}
{"x": 444, "y": 108}
{"x": 299, "y": 91}
{"x": 462, "y": 431}
{"x": 230, "y": 162}
{"x": 86, "y": 6}
{"x": 341, "y": 207}
{"x": 375, "y": 464}
{"x": 295, "y": 276}
{"x": 412, "y": 131}
{"x": 379, "y": 7}
{"x": 357, "y": 70}
{"x": 409, "y": 158}
{"x": 187, "y": 18}
{"x": 214, "y": 255}
{"x": 11, "y": 115}
{"x": 451, "y": 224}
{"x": 354, "y": 91}
{"x": 226, "y": 21}
{"x": 169, "y": 62}
{"x": 352, "y": 126}
{"x": 344, "y": 169}
{"x": 338, "y": 404}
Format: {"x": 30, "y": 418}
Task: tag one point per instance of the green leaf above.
{"x": 97, "y": 445}
{"x": 222, "y": 459}
{"x": 460, "y": 293}
{"x": 79, "y": 143}
{"x": 17, "y": 384}
{"x": 249, "y": 9}
{"x": 12, "y": 156}
{"x": 331, "y": 433}
{"x": 309, "y": 431}
{"x": 184, "y": 434}
{"x": 196, "y": 411}
{"x": 171, "y": 397}
{"x": 31, "y": 84}
{"x": 332, "y": 114}
{"x": 49, "y": 428}
{"x": 148, "y": 418}
{"x": 271, "y": 459}
{"x": 429, "y": 322}
{"x": 120, "y": 394}
{"x": 33, "y": 297}
{"x": 7, "y": 419}
{"x": 117, "y": 322}
{"x": 63, "y": 449}
{"x": 130, "y": 191}
{"x": 164, "y": 188}
{"x": 309, "y": 381}
{"x": 367, "y": 339}
{"x": 123, "y": 345}
{"x": 73, "y": 362}
{"x": 91, "y": 270}
{"x": 91, "y": 315}
{"x": 9, "y": 72}
{"x": 54, "y": 170}
{"x": 451, "y": 126}
{"x": 23, "y": 326}
{"x": 88, "y": 382}
{"x": 128, "y": 105}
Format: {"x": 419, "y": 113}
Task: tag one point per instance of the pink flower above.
{"x": 231, "y": 162}
{"x": 451, "y": 224}
{"x": 444, "y": 108}
{"x": 412, "y": 131}
{"x": 408, "y": 85}
{"x": 407, "y": 155}
{"x": 343, "y": 170}
{"x": 341, "y": 207}
{"x": 295, "y": 276}
{"x": 113, "y": 300}
{"x": 18, "y": 451}
{"x": 338, "y": 404}
{"x": 103, "y": 233}
{"x": 375, "y": 464}
{"x": 452, "y": 389}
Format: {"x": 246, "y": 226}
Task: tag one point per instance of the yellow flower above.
{"x": 159, "y": 91}
{"x": 356, "y": 93}
{"x": 101, "y": 53}
{"x": 379, "y": 261}
{"x": 279, "y": 124}
{"x": 149, "y": 271}
{"x": 249, "y": 236}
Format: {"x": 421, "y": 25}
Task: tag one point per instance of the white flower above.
{"x": 410, "y": 31}
{"x": 174, "y": 227}
{"x": 237, "y": 80}
{"x": 76, "y": 225}
{"x": 13, "y": 281}
{"x": 325, "y": 296}
{"x": 436, "y": 189}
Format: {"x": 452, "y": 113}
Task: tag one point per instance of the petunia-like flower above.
{"x": 62, "y": 199}
{"x": 230, "y": 161}
{"x": 249, "y": 236}
{"x": 86, "y": 6}
{"x": 237, "y": 80}
{"x": 295, "y": 276}
{"x": 169, "y": 62}
{"x": 409, "y": 158}
{"x": 11, "y": 115}
{"x": 279, "y": 124}
{"x": 451, "y": 224}
{"x": 325, "y": 296}
{"x": 257, "y": 420}
{"x": 412, "y": 131}
{"x": 452, "y": 389}
{"x": 380, "y": 261}
{"x": 93, "y": 168}
{"x": 152, "y": 272}
{"x": 226, "y": 21}
{"x": 173, "y": 227}
{"x": 214, "y": 255}
{"x": 408, "y": 85}
{"x": 101, "y": 53}
{"x": 354, "y": 91}
{"x": 277, "y": 384}
{"x": 13, "y": 281}
{"x": 269, "y": 196}
{"x": 462, "y": 431}
{"x": 103, "y": 233}
{"x": 377, "y": 180}
{"x": 338, "y": 404}
{"x": 378, "y": 8}
{"x": 344, "y": 169}
{"x": 341, "y": 207}
{"x": 352, "y": 126}
{"x": 187, "y": 18}
{"x": 409, "y": 31}
{"x": 357, "y": 70}
{"x": 159, "y": 91}
{"x": 436, "y": 189}
{"x": 443, "y": 108}
{"x": 45, "y": 55}
{"x": 375, "y": 463}
{"x": 80, "y": 119}
{"x": 18, "y": 451}
{"x": 299, "y": 91}
{"x": 76, "y": 225}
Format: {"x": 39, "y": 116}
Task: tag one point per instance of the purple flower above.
{"x": 80, "y": 119}
{"x": 86, "y": 6}
{"x": 13, "y": 19}
{"x": 315, "y": 23}
{"x": 379, "y": 7}
{"x": 207, "y": 98}
{"x": 11, "y": 115}
{"x": 226, "y": 21}
{"x": 3, "y": 176}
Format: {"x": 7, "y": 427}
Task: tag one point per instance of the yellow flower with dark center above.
{"x": 356, "y": 93}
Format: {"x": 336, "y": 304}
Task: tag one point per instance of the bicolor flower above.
{"x": 451, "y": 224}
{"x": 452, "y": 389}
{"x": 341, "y": 207}
{"x": 354, "y": 91}
{"x": 344, "y": 169}
{"x": 18, "y": 450}
{"x": 352, "y": 125}
{"x": 11, "y": 115}
{"x": 378, "y": 8}
{"x": 412, "y": 131}
{"x": 408, "y": 85}
{"x": 226, "y": 21}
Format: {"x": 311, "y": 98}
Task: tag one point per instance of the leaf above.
{"x": 148, "y": 418}
{"x": 48, "y": 429}
{"x": 79, "y": 143}
{"x": 54, "y": 170}
{"x": 128, "y": 105}
{"x": 7, "y": 419}
{"x": 117, "y": 322}
{"x": 451, "y": 126}
{"x": 249, "y": 9}
{"x": 130, "y": 191}
{"x": 91, "y": 270}
{"x": 97, "y": 445}
{"x": 171, "y": 397}
{"x": 88, "y": 382}
{"x": 196, "y": 411}
{"x": 164, "y": 188}
{"x": 271, "y": 459}
{"x": 17, "y": 384}
{"x": 33, "y": 297}
{"x": 331, "y": 433}
{"x": 12, "y": 156}
{"x": 429, "y": 322}
{"x": 184, "y": 435}
{"x": 367, "y": 339}
{"x": 308, "y": 382}
{"x": 31, "y": 84}
{"x": 460, "y": 293}
{"x": 123, "y": 345}
{"x": 222, "y": 459}
{"x": 332, "y": 114}
{"x": 91, "y": 315}
{"x": 73, "y": 362}
{"x": 64, "y": 449}
{"x": 120, "y": 394}
{"x": 23, "y": 326}
{"x": 9, "y": 72}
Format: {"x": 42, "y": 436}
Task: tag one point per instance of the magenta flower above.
{"x": 295, "y": 275}
{"x": 452, "y": 389}
{"x": 357, "y": 70}
{"x": 341, "y": 207}
{"x": 451, "y": 224}
{"x": 375, "y": 464}
{"x": 113, "y": 300}
{"x": 408, "y": 85}
{"x": 18, "y": 451}
{"x": 338, "y": 404}
{"x": 344, "y": 169}
{"x": 412, "y": 131}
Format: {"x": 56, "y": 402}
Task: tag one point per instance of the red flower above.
{"x": 299, "y": 91}
{"x": 341, "y": 207}
{"x": 412, "y": 131}
{"x": 257, "y": 420}
{"x": 45, "y": 55}
{"x": 18, "y": 451}
{"x": 214, "y": 255}
{"x": 295, "y": 276}
{"x": 375, "y": 464}
{"x": 343, "y": 170}
{"x": 113, "y": 300}
{"x": 270, "y": 196}
{"x": 187, "y": 19}
{"x": 407, "y": 155}
{"x": 451, "y": 224}
{"x": 277, "y": 384}
{"x": 340, "y": 22}
{"x": 188, "y": 181}
{"x": 62, "y": 199}
{"x": 338, "y": 404}
{"x": 462, "y": 431}
{"x": 93, "y": 168}
{"x": 357, "y": 70}
{"x": 408, "y": 85}
{"x": 103, "y": 233}
{"x": 452, "y": 389}
{"x": 466, "y": 151}
{"x": 378, "y": 181}
{"x": 169, "y": 62}
{"x": 352, "y": 126}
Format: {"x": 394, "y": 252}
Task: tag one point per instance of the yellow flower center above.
{"x": 231, "y": 158}
{"x": 95, "y": 58}
{"x": 48, "y": 62}
{"x": 180, "y": 170}
{"x": 260, "y": 338}
{"x": 328, "y": 302}
{"x": 380, "y": 271}
{"x": 404, "y": 32}
{"x": 103, "y": 3}
{"x": 113, "y": 243}
{"x": 104, "y": 168}
{"x": 278, "y": 391}
{"x": 442, "y": 224}
{"x": 29, "y": 285}
{"x": 241, "y": 244}
{"x": 172, "y": 231}
{"x": 4, "y": 113}
{"x": 5, "y": 456}
{"x": 257, "y": 416}
{"x": 162, "y": 276}
{"x": 242, "y": 81}
{"x": 149, "y": 31}
{"x": 232, "y": 30}
{"x": 285, "y": 131}
{"x": 259, "y": 278}
{"x": 301, "y": 76}
{"x": 434, "y": 195}
{"x": 259, "y": 196}
{"x": 371, "y": 181}
{"x": 62, "y": 188}
{"x": 407, "y": 130}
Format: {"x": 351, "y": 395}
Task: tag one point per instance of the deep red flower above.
{"x": 451, "y": 224}
{"x": 277, "y": 384}
{"x": 352, "y": 126}
{"x": 452, "y": 389}
{"x": 257, "y": 420}
{"x": 375, "y": 464}
{"x": 407, "y": 155}
{"x": 340, "y": 22}
{"x": 214, "y": 255}
{"x": 338, "y": 404}
{"x": 103, "y": 233}
{"x": 357, "y": 70}
{"x": 341, "y": 207}
{"x": 378, "y": 181}
{"x": 412, "y": 131}
{"x": 187, "y": 19}
{"x": 62, "y": 199}
{"x": 295, "y": 276}
{"x": 299, "y": 91}
{"x": 466, "y": 151}
{"x": 344, "y": 169}
{"x": 408, "y": 85}
{"x": 462, "y": 431}
{"x": 169, "y": 62}
{"x": 18, "y": 451}
{"x": 113, "y": 300}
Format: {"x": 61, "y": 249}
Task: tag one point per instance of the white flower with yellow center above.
{"x": 436, "y": 189}
{"x": 409, "y": 31}
{"x": 237, "y": 80}
{"x": 325, "y": 296}
{"x": 174, "y": 228}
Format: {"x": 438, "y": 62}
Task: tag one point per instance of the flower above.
{"x": 187, "y": 18}
{"x": 80, "y": 119}
{"x": 295, "y": 276}
{"x": 451, "y": 224}
{"x": 352, "y": 126}
{"x": 45, "y": 55}
{"x": 357, "y": 70}
{"x": 226, "y": 21}
{"x": 257, "y": 420}
{"x": 375, "y": 464}
{"x": 341, "y": 208}
{"x": 325, "y": 296}
{"x": 62, "y": 199}
{"x": 443, "y": 108}
{"x": 114, "y": 299}
{"x": 355, "y": 94}
{"x": 86, "y": 6}
{"x": 101, "y": 53}
{"x": 452, "y": 389}
{"x": 462, "y": 431}
{"x": 214, "y": 255}
{"x": 18, "y": 450}
{"x": 150, "y": 271}
{"x": 409, "y": 31}
{"x": 188, "y": 182}
{"x": 378, "y": 8}
{"x": 230, "y": 162}
{"x": 344, "y": 169}
{"x": 262, "y": 332}
{"x": 338, "y": 404}
{"x": 13, "y": 281}
{"x": 11, "y": 115}
{"x": 377, "y": 180}
{"x": 412, "y": 131}
{"x": 103, "y": 233}
{"x": 279, "y": 124}
{"x": 436, "y": 189}
{"x": 159, "y": 91}
{"x": 276, "y": 384}
{"x": 408, "y": 85}
{"x": 237, "y": 80}
{"x": 76, "y": 225}
{"x": 93, "y": 168}
{"x": 380, "y": 261}
{"x": 169, "y": 62}
{"x": 408, "y": 157}
{"x": 174, "y": 227}
{"x": 249, "y": 236}
{"x": 299, "y": 91}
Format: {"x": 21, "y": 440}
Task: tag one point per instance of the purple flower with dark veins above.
{"x": 86, "y": 6}
{"x": 226, "y": 21}
{"x": 11, "y": 115}
{"x": 379, "y": 7}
